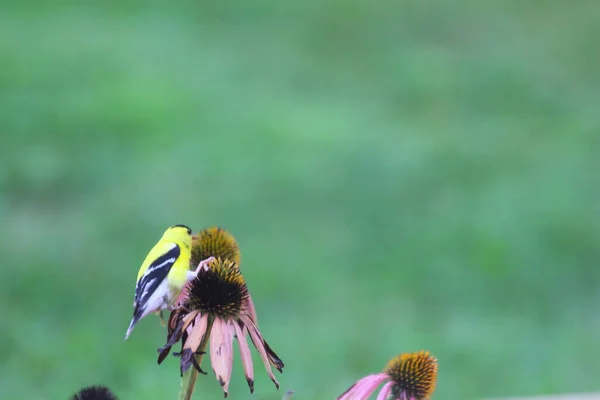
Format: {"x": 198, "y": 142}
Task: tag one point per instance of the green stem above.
{"x": 188, "y": 381}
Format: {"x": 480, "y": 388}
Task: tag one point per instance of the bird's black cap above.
{"x": 183, "y": 226}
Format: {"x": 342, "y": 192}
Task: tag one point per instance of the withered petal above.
{"x": 221, "y": 352}
{"x": 258, "y": 342}
{"x": 273, "y": 358}
{"x": 251, "y": 309}
{"x": 194, "y": 338}
{"x": 174, "y": 335}
{"x": 245, "y": 354}
{"x": 188, "y": 358}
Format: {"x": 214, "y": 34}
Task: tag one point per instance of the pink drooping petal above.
{"x": 385, "y": 391}
{"x": 246, "y": 355}
{"x": 252, "y": 310}
{"x": 274, "y": 359}
{"x": 221, "y": 352}
{"x": 362, "y": 389}
{"x": 187, "y": 320}
{"x": 195, "y": 334}
{"x": 404, "y": 396}
{"x": 258, "y": 343}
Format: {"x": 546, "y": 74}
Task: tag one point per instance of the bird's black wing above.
{"x": 155, "y": 274}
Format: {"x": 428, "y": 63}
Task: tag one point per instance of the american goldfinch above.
{"x": 163, "y": 274}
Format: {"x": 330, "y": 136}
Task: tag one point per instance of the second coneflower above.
{"x": 409, "y": 376}
{"x": 214, "y": 242}
{"x": 215, "y": 307}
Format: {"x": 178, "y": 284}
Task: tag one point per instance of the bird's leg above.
{"x": 160, "y": 315}
{"x": 203, "y": 264}
{"x": 191, "y": 275}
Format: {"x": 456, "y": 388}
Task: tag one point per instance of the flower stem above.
{"x": 188, "y": 381}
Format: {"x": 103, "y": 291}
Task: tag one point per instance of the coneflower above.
{"x": 215, "y": 306}
{"x": 410, "y": 376}
{"x": 94, "y": 393}
{"x": 218, "y": 243}
{"x": 215, "y": 242}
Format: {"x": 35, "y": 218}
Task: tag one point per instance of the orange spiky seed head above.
{"x": 414, "y": 374}
{"x": 214, "y": 242}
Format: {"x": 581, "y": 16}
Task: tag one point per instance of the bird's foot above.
{"x": 202, "y": 265}
{"x": 163, "y": 322}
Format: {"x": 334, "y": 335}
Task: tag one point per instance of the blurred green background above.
{"x": 400, "y": 175}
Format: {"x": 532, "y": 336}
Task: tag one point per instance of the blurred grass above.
{"x": 400, "y": 176}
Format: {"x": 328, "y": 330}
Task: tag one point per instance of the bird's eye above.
{"x": 189, "y": 231}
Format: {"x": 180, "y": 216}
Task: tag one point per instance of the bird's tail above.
{"x": 137, "y": 315}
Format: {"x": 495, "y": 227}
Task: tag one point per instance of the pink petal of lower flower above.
{"x": 347, "y": 395}
{"x": 257, "y": 339}
{"x": 362, "y": 389}
{"x": 252, "y": 310}
{"x": 187, "y": 320}
{"x": 245, "y": 354}
{"x": 195, "y": 333}
{"x": 385, "y": 391}
{"x": 221, "y": 352}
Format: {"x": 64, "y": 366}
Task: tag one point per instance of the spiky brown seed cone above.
{"x": 219, "y": 290}
{"x": 94, "y": 393}
{"x": 413, "y": 373}
{"x": 214, "y": 242}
